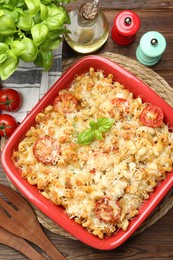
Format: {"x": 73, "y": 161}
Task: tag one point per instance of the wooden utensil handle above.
{"x": 19, "y": 244}
{"x": 47, "y": 246}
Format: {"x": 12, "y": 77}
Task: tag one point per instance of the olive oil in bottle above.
{"x": 88, "y": 29}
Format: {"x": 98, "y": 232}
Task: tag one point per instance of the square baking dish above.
{"x": 57, "y": 213}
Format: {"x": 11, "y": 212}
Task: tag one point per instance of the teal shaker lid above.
{"x": 151, "y": 46}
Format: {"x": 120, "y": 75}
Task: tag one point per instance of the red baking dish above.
{"x": 57, "y": 213}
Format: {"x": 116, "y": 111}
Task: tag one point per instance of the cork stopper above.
{"x": 88, "y": 11}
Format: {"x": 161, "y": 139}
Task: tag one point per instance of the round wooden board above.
{"x": 159, "y": 85}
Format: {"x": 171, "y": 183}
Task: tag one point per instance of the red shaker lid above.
{"x": 127, "y": 23}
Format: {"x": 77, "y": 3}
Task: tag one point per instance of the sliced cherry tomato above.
{"x": 105, "y": 212}
{"x": 7, "y": 125}
{"x": 10, "y": 99}
{"x": 121, "y": 103}
{"x": 47, "y": 150}
{"x": 152, "y": 116}
{"x": 65, "y": 103}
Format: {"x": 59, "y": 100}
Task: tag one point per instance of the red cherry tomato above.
{"x": 65, "y": 103}
{"x": 47, "y": 150}
{"x": 10, "y": 99}
{"x": 152, "y": 116}
{"x": 106, "y": 212}
{"x": 7, "y": 125}
{"x": 121, "y": 103}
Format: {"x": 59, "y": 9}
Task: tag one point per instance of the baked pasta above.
{"x": 98, "y": 152}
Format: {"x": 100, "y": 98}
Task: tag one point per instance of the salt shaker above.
{"x": 151, "y": 47}
{"x": 126, "y": 25}
{"x": 88, "y": 29}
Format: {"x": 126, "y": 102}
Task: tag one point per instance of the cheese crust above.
{"x": 101, "y": 185}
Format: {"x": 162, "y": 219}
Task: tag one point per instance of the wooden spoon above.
{"x": 20, "y": 219}
{"x": 19, "y": 244}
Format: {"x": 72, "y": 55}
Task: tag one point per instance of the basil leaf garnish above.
{"x": 97, "y": 128}
{"x": 93, "y": 124}
{"x": 98, "y": 135}
{"x": 104, "y": 124}
{"x": 86, "y": 136}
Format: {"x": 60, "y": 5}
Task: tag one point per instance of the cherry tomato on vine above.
{"x": 152, "y": 116}
{"x": 10, "y": 99}
{"x": 7, "y": 125}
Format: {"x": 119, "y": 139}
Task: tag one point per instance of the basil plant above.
{"x": 30, "y": 30}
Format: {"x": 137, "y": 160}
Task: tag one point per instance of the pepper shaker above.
{"x": 126, "y": 24}
{"x": 151, "y": 47}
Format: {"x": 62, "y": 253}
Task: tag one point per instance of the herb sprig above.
{"x": 95, "y": 131}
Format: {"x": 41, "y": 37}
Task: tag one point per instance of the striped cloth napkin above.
{"x": 32, "y": 82}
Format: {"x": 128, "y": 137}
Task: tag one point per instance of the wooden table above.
{"x": 156, "y": 241}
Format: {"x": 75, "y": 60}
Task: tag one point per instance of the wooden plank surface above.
{"x": 129, "y": 4}
{"x": 155, "y": 242}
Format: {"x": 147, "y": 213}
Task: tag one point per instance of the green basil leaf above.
{"x": 54, "y": 44}
{"x": 15, "y": 16}
{"x": 33, "y": 6}
{"x": 98, "y": 135}
{"x": 46, "y": 1}
{"x": 47, "y": 59}
{"x": 57, "y": 16}
{"x": 39, "y": 33}
{"x": 63, "y": 1}
{"x": 3, "y": 51}
{"x": 20, "y": 3}
{"x": 104, "y": 124}
{"x": 53, "y": 34}
{"x": 1, "y": 13}
{"x": 45, "y": 45}
{"x": 37, "y": 18}
{"x": 93, "y": 125}
{"x": 7, "y": 25}
{"x": 50, "y": 44}
{"x": 39, "y": 61}
{"x": 8, "y": 67}
{"x": 16, "y": 3}
{"x": 53, "y": 23}
{"x": 54, "y": 10}
{"x": 31, "y": 50}
{"x": 13, "y": 2}
{"x": 8, "y": 39}
{"x": 25, "y": 22}
{"x": 17, "y": 47}
{"x": 8, "y": 6}
{"x": 43, "y": 11}
{"x": 86, "y": 136}
{"x": 44, "y": 59}
{"x": 11, "y": 13}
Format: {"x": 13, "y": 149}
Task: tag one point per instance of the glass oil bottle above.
{"x": 88, "y": 29}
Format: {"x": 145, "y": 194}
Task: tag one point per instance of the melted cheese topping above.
{"x": 101, "y": 185}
